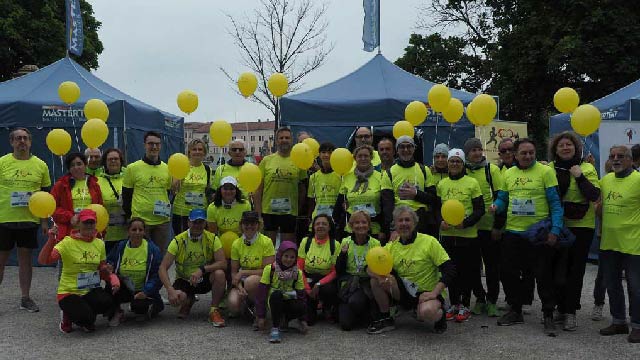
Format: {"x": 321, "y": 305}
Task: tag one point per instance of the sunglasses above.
{"x": 504, "y": 151}
{"x": 236, "y": 149}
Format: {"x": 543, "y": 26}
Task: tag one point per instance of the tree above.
{"x": 33, "y": 32}
{"x": 283, "y": 36}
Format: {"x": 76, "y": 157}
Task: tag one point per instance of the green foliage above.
{"x": 33, "y": 32}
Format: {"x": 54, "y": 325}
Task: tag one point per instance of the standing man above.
{"x": 94, "y": 161}
{"x": 440, "y": 169}
{"x": 21, "y": 174}
{"x": 620, "y": 244}
{"x": 237, "y": 152}
{"x": 386, "y": 151}
{"x": 145, "y": 192}
{"x": 365, "y": 137}
{"x": 282, "y": 190}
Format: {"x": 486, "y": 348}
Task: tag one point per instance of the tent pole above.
{"x": 124, "y": 132}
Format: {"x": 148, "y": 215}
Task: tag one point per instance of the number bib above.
{"x": 410, "y": 287}
{"x": 523, "y": 207}
{"x": 368, "y": 208}
{"x": 88, "y": 280}
{"x": 324, "y": 209}
{"x": 161, "y": 208}
{"x": 20, "y": 198}
{"x": 194, "y": 199}
{"x": 281, "y": 205}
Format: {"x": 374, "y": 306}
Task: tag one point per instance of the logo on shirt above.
{"x": 283, "y": 173}
{"x": 248, "y": 259}
{"x": 454, "y": 193}
{"x": 131, "y": 262}
{"x": 82, "y": 192}
{"x": 194, "y": 256}
{"x": 406, "y": 263}
{"x": 21, "y": 173}
{"x": 89, "y": 256}
{"x": 521, "y": 181}
{"x": 153, "y": 180}
{"x": 316, "y": 261}
{"x": 193, "y": 177}
{"x": 613, "y": 195}
{"x": 228, "y": 223}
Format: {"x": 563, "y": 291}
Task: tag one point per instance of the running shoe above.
{"x": 26, "y": 303}
{"x": 116, "y": 319}
{"x": 380, "y": 326}
{"x": 492, "y": 310}
{"x": 479, "y": 308}
{"x": 215, "y": 318}
{"x": 511, "y": 318}
{"x": 274, "y": 336}
{"x": 570, "y": 323}
{"x": 66, "y": 326}
{"x": 452, "y": 312}
{"x": 596, "y": 313}
{"x": 549, "y": 326}
{"x": 463, "y": 314}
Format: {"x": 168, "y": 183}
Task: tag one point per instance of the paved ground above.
{"x": 31, "y": 336}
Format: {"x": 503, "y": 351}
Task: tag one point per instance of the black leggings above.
{"x": 464, "y": 252}
{"x": 490, "y": 256}
{"x": 138, "y": 306}
{"x": 356, "y": 309}
{"x": 569, "y": 295}
{"x": 83, "y": 309}
{"x": 328, "y": 294}
{"x": 282, "y": 309}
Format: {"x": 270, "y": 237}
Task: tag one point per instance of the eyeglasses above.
{"x": 363, "y": 136}
{"x": 405, "y": 147}
{"x": 153, "y": 144}
{"x": 455, "y": 162}
{"x": 504, "y": 151}
{"x": 229, "y": 188}
{"x": 236, "y": 149}
{"x": 616, "y": 156}
{"x": 21, "y": 138}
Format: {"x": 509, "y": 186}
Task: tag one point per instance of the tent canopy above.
{"x": 375, "y": 95}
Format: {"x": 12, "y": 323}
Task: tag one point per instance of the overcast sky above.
{"x": 155, "y": 49}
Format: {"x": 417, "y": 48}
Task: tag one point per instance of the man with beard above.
{"x": 387, "y": 153}
{"x": 365, "y": 137}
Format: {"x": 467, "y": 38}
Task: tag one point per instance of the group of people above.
{"x": 527, "y": 224}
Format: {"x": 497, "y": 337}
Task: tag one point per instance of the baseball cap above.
{"x": 229, "y": 180}
{"x": 87, "y": 215}
{"x": 250, "y": 217}
{"x": 197, "y": 214}
{"x": 456, "y": 153}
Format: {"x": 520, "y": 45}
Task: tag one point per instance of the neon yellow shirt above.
{"x": 319, "y": 259}
{"x": 280, "y": 185}
{"x": 464, "y": 189}
{"x": 324, "y": 188}
{"x": 150, "y": 184}
{"x": 414, "y": 176}
{"x": 134, "y": 264}
{"x": 190, "y": 254}
{"x": 223, "y": 171}
{"x": 277, "y": 284}
{"x": 486, "y": 222}
{"x": 80, "y": 195}
{"x": 251, "y": 256}
{"x": 438, "y": 176}
{"x": 80, "y": 261}
{"x": 417, "y": 263}
{"x": 356, "y": 262}
{"x": 18, "y": 179}
{"x": 227, "y": 219}
{"x": 191, "y": 194}
{"x": 368, "y": 201}
{"x": 575, "y": 195}
{"x": 117, "y": 228}
{"x": 621, "y": 213}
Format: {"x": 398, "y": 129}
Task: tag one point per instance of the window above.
{"x": 261, "y": 138}
{"x": 224, "y": 150}
{"x": 253, "y": 149}
{"x": 253, "y": 138}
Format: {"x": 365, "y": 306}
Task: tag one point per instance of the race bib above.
{"x": 324, "y": 209}
{"x": 281, "y": 205}
{"x": 194, "y": 198}
{"x": 20, "y": 198}
{"x": 368, "y": 208}
{"x": 410, "y": 286}
{"x": 523, "y": 207}
{"x": 290, "y": 295}
{"x": 88, "y": 280}
{"x": 161, "y": 208}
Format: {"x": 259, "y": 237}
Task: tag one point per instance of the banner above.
{"x": 616, "y": 133}
{"x": 75, "y": 36}
{"x": 371, "y": 26}
{"x": 492, "y": 134}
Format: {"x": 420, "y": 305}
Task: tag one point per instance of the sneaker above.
{"x": 526, "y": 309}
{"x": 274, "y": 336}
{"x": 116, "y": 319}
{"x": 511, "y": 318}
{"x": 570, "y": 323}
{"x": 463, "y": 314}
{"x": 89, "y": 328}
{"x": 614, "y": 329}
{"x": 479, "y": 308}
{"x": 303, "y": 327}
{"x": 380, "y": 326}
{"x": 492, "y": 310}
{"x": 216, "y": 318}
{"x": 66, "y": 326}
{"x": 549, "y": 326}
{"x": 596, "y": 313}
{"x": 28, "y": 304}
{"x": 559, "y": 317}
{"x": 452, "y": 312}
{"x": 634, "y": 337}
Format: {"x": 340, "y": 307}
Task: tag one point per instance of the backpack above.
{"x": 208, "y": 191}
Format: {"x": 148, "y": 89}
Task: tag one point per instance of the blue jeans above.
{"x": 613, "y": 262}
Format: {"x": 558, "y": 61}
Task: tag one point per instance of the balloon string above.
{"x": 435, "y": 137}
{"x": 73, "y": 122}
{"x": 449, "y": 139}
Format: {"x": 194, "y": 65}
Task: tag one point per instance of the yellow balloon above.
{"x": 566, "y": 100}
{"x": 278, "y": 84}
{"x": 188, "y": 101}
{"x": 178, "y": 165}
{"x": 341, "y": 161}
{"x": 485, "y": 109}
{"x": 471, "y": 116}
{"x": 380, "y": 261}
{"x": 220, "y": 132}
{"x": 585, "y": 119}
{"x": 102, "y": 216}
{"x": 247, "y": 83}
{"x": 454, "y": 111}
{"x": 249, "y": 177}
{"x": 313, "y": 145}
{"x": 415, "y": 113}
{"x": 402, "y": 128}
{"x": 302, "y": 156}
{"x": 453, "y": 212}
{"x": 69, "y": 92}
{"x": 58, "y": 141}
{"x": 42, "y": 204}
{"x": 96, "y": 109}
{"x": 439, "y": 96}
{"x": 227, "y": 240}
{"x": 94, "y": 133}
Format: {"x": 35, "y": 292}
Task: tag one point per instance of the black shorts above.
{"x": 25, "y": 238}
{"x": 203, "y": 287}
{"x": 407, "y": 301}
{"x": 286, "y": 223}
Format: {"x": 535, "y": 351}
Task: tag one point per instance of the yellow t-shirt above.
{"x": 280, "y": 185}
{"x": 356, "y": 262}
{"x": 375, "y": 160}
{"x": 438, "y": 176}
{"x": 117, "y": 228}
{"x": 284, "y": 286}
{"x": 251, "y": 256}
{"x": 486, "y": 222}
{"x": 190, "y": 255}
{"x": 527, "y": 195}
{"x": 80, "y": 196}
{"x": 191, "y": 194}
{"x": 150, "y": 184}
{"x": 575, "y": 195}
{"x": 227, "y": 219}
{"x": 324, "y": 188}
{"x": 417, "y": 263}
{"x": 18, "y": 179}
{"x": 621, "y": 213}
{"x": 367, "y": 200}
{"x": 318, "y": 260}
{"x": 80, "y": 261}
{"x": 464, "y": 189}
{"x": 414, "y": 176}
{"x": 134, "y": 264}
{"x": 223, "y": 171}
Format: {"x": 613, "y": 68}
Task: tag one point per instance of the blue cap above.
{"x": 197, "y": 214}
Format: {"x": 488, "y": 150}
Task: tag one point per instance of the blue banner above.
{"x": 75, "y": 36}
{"x": 371, "y": 26}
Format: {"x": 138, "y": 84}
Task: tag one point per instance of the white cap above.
{"x": 229, "y": 180}
{"x": 456, "y": 153}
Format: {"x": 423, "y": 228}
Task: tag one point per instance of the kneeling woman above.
{"x": 136, "y": 262}
{"x": 282, "y": 288}
{"x": 356, "y": 298}
{"x": 422, "y": 268}
{"x": 250, "y": 253}
{"x": 83, "y": 257}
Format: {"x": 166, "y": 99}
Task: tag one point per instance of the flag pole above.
{"x": 379, "y": 27}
